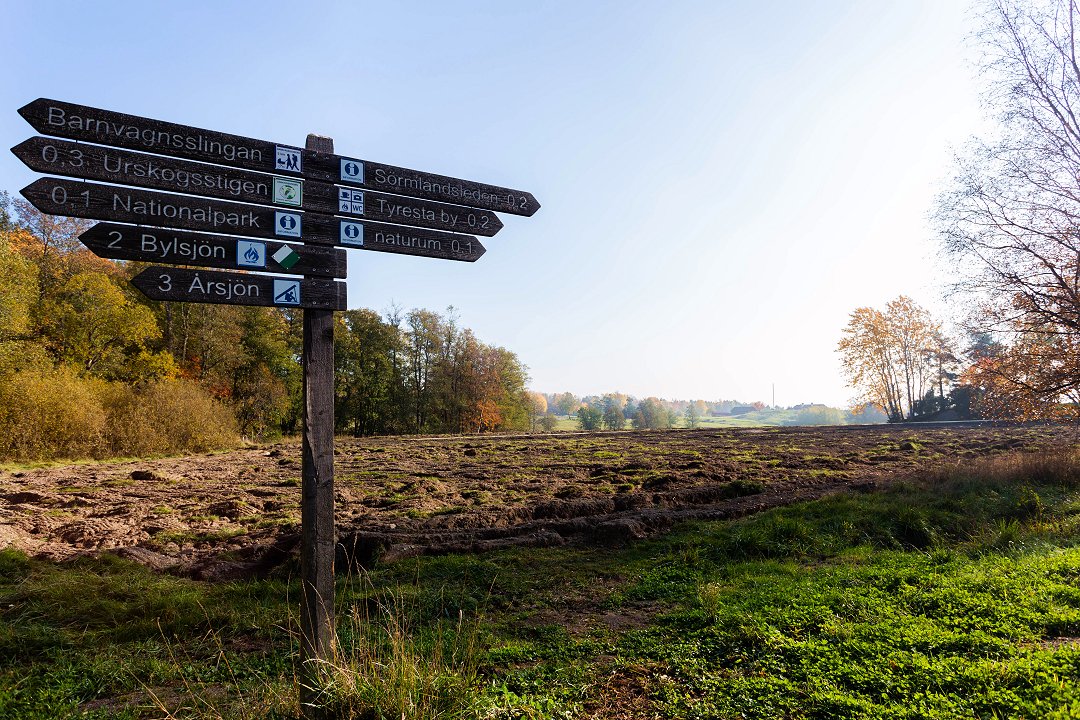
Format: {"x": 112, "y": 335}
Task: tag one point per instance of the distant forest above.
{"x": 91, "y": 368}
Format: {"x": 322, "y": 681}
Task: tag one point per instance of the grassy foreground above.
{"x": 957, "y": 595}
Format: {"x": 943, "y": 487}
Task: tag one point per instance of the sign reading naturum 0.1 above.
{"x": 105, "y": 127}
{"x": 125, "y": 167}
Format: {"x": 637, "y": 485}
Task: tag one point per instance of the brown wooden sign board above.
{"x": 381, "y": 237}
{"x": 126, "y": 167}
{"x": 402, "y": 181}
{"x": 178, "y": 247}
{"x": 147, "y": 207}
{"x": 225, "y": 288}
{"x": 316, "y": 165}
{"x": 106, "y": 127}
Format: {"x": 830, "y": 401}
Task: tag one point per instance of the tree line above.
{"x": 90, "y": 367}
{"x": 617, "y": 411}
{"x": 1008, "y": 224}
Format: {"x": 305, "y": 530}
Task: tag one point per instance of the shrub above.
{"x": 53, "y": 413}
{"x": 166, "y": 417}
{"x": 49, "y": 413}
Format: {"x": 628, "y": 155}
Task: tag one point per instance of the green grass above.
{"x": 957, "y": 595}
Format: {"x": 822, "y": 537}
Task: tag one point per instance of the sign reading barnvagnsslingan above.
{"x": 105, "y": 127}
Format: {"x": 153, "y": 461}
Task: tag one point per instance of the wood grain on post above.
{"x": 317, "y": 623}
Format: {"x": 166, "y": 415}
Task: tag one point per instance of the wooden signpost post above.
{"x": 183, "y": 196}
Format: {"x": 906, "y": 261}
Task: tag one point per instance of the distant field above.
{"x": 763, "y": 418}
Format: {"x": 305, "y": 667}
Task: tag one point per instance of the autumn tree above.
{"x": 589, "y": 418}
{"x": 7, "y": 221}
{"x": 892, "y": 357}
{"x": 653, "y": 414}
{"x": 99, "y": 330}
{"x": 423, "y": 338}
{"x": 536, "y": 404}
{"x": 363, "y": 372}
{"x": 692, "y": 415}
{"x": 1009, "y": 222}
{"x": 18, "y": 292}
{"x": 613, "y": 416}
{"x": 267, "y": 379}
{"x": 566, "y": 403}
{"x": 421, "y": 372}
{"x": 1010, "y": 380}
{"x": 52, "y": 243}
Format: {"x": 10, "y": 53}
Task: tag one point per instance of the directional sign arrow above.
{"x": 224, "y": 288}
{"x": 145, "y": 207}
{"x": 105, "y": 127}
{"x": 409, "y": 241}
{"x": 143, "y": 244}
{"x": 400, "y": 210}
{"x": 125, "y": 167}
{"x": 402, "y": 181}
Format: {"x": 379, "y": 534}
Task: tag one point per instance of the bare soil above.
{"x": 236, "y": 514}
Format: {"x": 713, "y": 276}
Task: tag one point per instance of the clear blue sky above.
{"x": 722, "y": 183}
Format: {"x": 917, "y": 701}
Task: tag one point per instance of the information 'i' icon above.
{"x": 287, "y": 224}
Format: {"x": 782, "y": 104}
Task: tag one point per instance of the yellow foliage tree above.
{"x": 892, "y": 358}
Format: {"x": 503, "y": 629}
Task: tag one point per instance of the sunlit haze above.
{"x": 721, "y": 183}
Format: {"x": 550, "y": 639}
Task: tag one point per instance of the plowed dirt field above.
{"x": 237, "y": 514}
